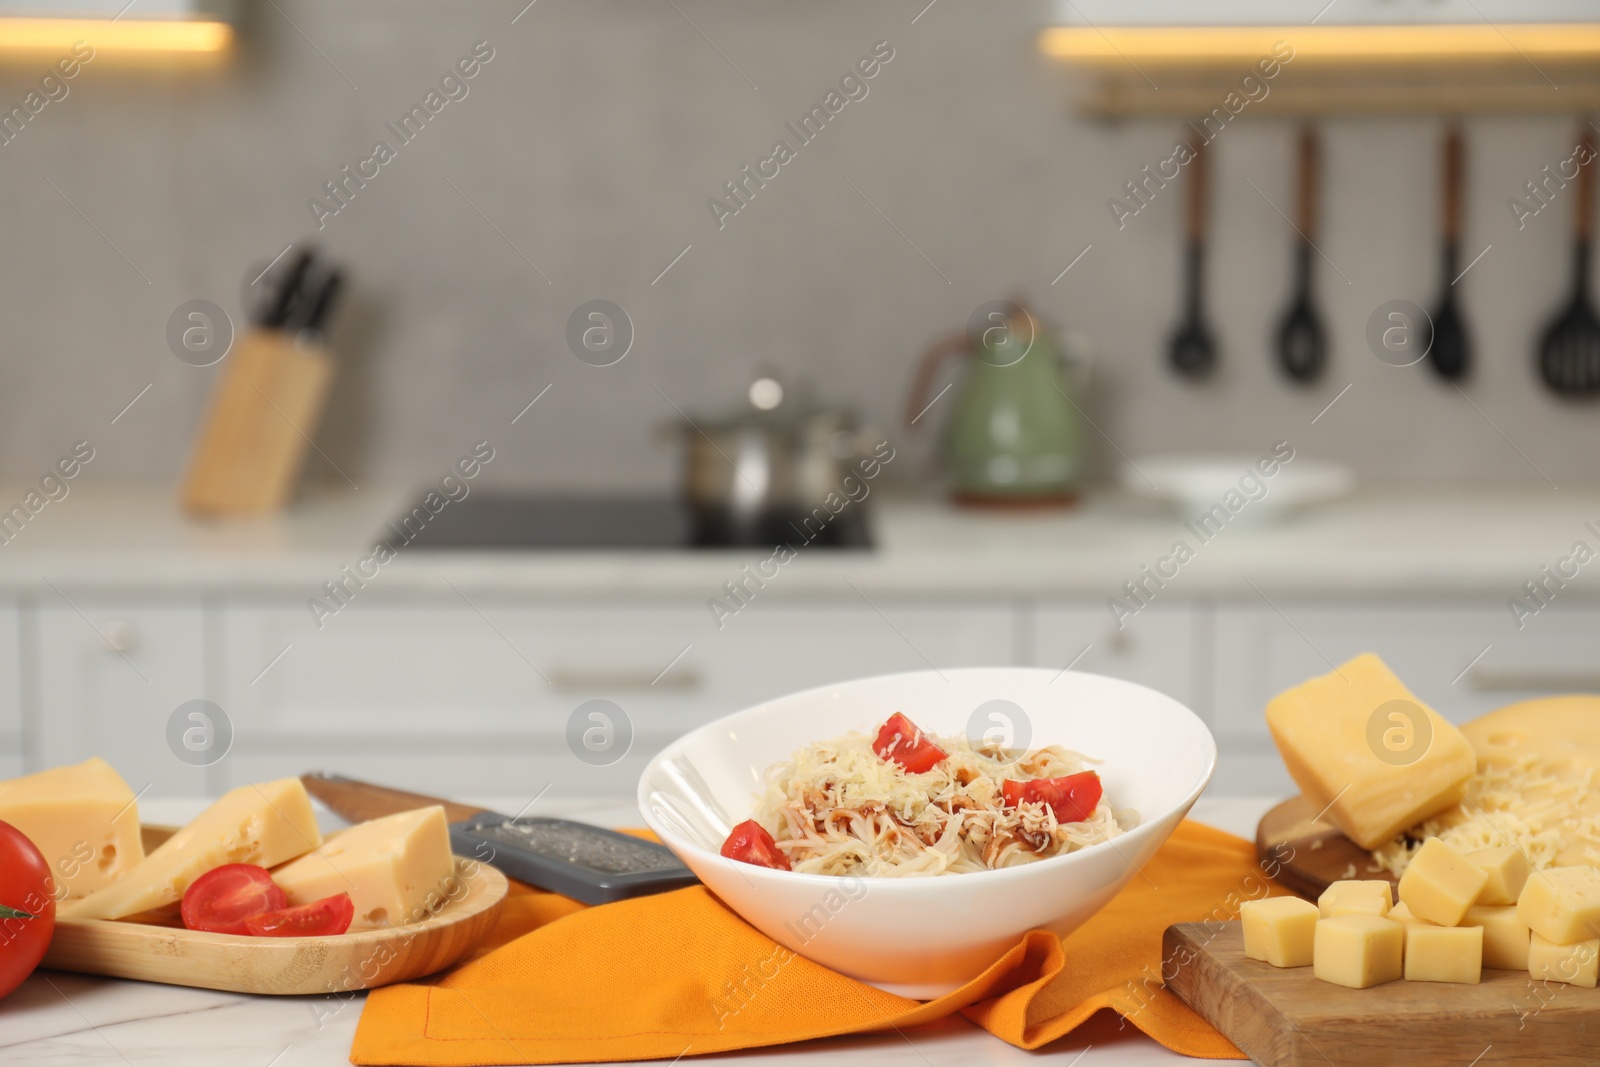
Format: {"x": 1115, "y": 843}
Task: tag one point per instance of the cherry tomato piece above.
{"x": 220, "y": 900}
{"x": 27, "y": 907}
{"x": 749, "y": 842}
{"x": 901, "y": 741}
{"x": 330, "y": 915}
{"x": 1072, "y": 797}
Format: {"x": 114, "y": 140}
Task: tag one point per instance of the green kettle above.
{"x": 1014, "y": 435}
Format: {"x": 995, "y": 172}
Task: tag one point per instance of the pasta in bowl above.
{"x": 903, "y": 803}
{"x": 890, "y": 874}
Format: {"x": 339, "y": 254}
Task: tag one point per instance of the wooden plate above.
{"x": 1305, "y": 854}
{"x": 161, "y": 950}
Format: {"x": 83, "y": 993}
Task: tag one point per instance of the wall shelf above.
{"x": 1186, "y": 71}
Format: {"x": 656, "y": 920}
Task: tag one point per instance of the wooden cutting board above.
{"x": 1306, "y": 855}
{"x": 1283, "y": 1017}
{"x": 159, "y": 949}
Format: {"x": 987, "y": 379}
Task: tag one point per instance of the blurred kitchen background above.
{"x": 575, "y": 164}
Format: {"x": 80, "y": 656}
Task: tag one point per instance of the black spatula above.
{"x": 1450, "y": 354}
{"x": 1569, "y": 352}
{"x": 1192, "y": 350}
{"x": 1302, "y": 342}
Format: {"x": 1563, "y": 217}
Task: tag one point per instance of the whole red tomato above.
{"x": 27, "y": 907}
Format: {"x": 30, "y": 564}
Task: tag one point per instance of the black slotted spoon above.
{"x": 1193, "y": 350}
{"x": 1450, "y": 351}
{"x": 1302, "y": 342}
{"x": 1569, "y": 352}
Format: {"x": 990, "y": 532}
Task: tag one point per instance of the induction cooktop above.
{"x": 575, "y": 522}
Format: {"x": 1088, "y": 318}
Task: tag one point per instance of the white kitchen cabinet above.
{"x": 111, "y": 672}
{"x": 1156, "y": 648}
{"x": 13, "y": 759}
{"x": 1462, "y": 659}
{"x": 475, "y": 697}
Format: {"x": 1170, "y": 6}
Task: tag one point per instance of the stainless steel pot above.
{"x": 749, "y": 475}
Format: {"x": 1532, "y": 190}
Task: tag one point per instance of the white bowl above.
{"x": 922, "y": 937}
{"x": 1198, "y": 485}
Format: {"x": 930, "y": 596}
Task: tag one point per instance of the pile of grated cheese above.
{"x": 1547, "y": 810}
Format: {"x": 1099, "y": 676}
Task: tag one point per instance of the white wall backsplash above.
{"x": 592, "y": 141}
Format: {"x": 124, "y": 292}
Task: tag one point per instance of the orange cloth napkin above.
{"x": 678, "y": 974}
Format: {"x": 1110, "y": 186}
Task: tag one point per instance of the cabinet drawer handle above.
{"x": 121, "y": 636}
{"x": 1534, "y": 681}
{"x": 678, "y": 679}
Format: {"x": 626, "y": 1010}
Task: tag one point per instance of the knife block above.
{"x": 261, "y": 419}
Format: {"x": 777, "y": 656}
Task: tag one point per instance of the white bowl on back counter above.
{"x": 1217, "y": 490}
{"x": 924, "y": 936}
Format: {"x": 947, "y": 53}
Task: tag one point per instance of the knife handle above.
{"x": 359, "y": 801}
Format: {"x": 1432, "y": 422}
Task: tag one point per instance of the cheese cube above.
{"x": 1440, "y": 884}
{"x": 1444, "y": 954}
{"x": 1505, "y": 936}
{"x": 83, "y": 819}
{"x": 1358, "y": 743}
{"x": 1366, "y": 897}
{"x": 264, "y": 824}
{"x": 1402, "y": 915}
{"x": 1507, "y": 869}
{"x": 1576, "y": 964}
{"x": 1358, "y": 951}
{"x": 396, "y": 869}
{"x": 1279, "y": 930}
{"x": 1562, "y": 904}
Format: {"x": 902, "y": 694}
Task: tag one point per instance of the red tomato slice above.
{"x": 1072, "y": 797}
{"x": 220, "y": 900}
{"x": 901, "y": 741}
{"x": 27, "y": 907}
{"x": 750, "y": 843}
{"x": 330, "y": 915}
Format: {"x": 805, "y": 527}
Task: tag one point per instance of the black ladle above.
{"x": 1569, "y": 353}
{"x": 1302, "y": 342}
{"x": 1450, "y": 352}
{"x": 1192, "y": 350}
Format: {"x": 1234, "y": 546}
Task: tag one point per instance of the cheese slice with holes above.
{"x": 83, "y": 819}
{"x": 397, "y": 869}
{"x": 1361, "y": 745}
{"x": 265, "y": 824}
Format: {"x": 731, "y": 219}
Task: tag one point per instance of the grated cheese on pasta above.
{"x": 838, "y": 808}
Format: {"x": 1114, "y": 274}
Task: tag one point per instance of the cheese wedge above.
{"x": 264, "y": 824}
{"x": 397, "y": 869}
{"x": 83, "y": 819}
{"x": 1358, "y": 743}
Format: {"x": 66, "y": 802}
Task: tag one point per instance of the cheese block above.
{"x": 1444, "y": 954}
{"x": 1279, "y": 930}
{"x": 83, "y": 819}
{"x": 397, "y": 869}
{"x": 1562, "y": 904}
{"x": 1441, "y": 884}
{"x": 1575, "y": 964}
{"x": 1359, "y": 743}
{"x": 1356, "y": 897}
{"x": 1358, "y": 951}
{"x": 264, "y": 824}
{"x": 1507, "y": 869}
{"x": 1505, "y": 936}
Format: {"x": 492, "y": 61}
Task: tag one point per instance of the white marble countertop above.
{"x": 67, "y": 1020}
{"x": 1389, "y": 542}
